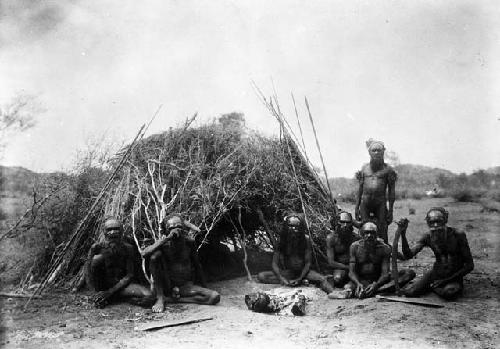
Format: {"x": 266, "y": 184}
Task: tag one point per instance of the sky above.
{"x": 420, "y": 76}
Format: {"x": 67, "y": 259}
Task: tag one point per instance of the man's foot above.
{"x": 159, "y": 306}
{"x": 344, "y": 294}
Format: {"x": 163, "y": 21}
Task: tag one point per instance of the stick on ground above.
{"x": 152, "y": 326}
{"x": 415, "y": 301}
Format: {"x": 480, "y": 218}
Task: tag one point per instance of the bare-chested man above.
{"x": 377, "y": 184}
{"x": 110, "y": 269}
{"x": 174, "y": 265}
{"x": 292, "y": 258}
{"x": 369, "y": 263}
{"x": 338, "y": 244}
{"x": 452, "y": 252}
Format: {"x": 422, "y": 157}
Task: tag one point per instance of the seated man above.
{"x": 369, "y": 263}
{"x": 110, "y": 269}
{"x": 171, "y": 262}
{"x": 293, "y": 253}
{"x": 338, "y": 244}
{"x": 452, "y": 252}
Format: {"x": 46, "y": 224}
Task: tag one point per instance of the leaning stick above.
{"x": 19, "y": 295}
{"x": 321, "y": 157}
{"x": 298, "y": 123}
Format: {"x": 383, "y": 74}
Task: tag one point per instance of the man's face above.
{"x": 345, "y": 227}
{"x": 293, "y": 225}
{"x": 174, "y": 227}
{"x": 376, "y": 152}
{"x": 436, "y": 221}
{"x": 113, "y": 234}
{"x": 369, "y": 233}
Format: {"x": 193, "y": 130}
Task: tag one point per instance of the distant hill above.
{"x": 421, "y": 176}
{"x": 17, "y": 179}
{"x": 493, "y": 170}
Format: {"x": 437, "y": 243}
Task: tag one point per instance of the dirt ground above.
{"x": 62, "y": 321}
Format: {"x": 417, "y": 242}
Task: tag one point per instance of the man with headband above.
{"x": 377, "y": 187}
{"x": 452, "y": 252}
{"x": 338, "y": 244}
{"x": 292, "y": 258}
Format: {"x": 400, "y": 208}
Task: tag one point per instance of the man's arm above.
{"x": 421, "y": 243}
{"x": 468, "y": 262}
{"x": 276, "y": 267}
{"x": 352, "y": 266}
{"x": 330, "y": 253}
{"x": 101, "y": 298}
{"x": 360, "y": 178}
{"x": 384, "y": 270}
{"x": 148, "y": 251}
{"x": 307, "y": 262}
{"x": 197, "y": 266}
{"x": 391, "y": 193}
{"x": 89, "y": 276}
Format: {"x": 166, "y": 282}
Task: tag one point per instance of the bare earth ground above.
{"x": 62, "y": 321}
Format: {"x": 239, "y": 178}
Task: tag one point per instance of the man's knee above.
{"x": 339, "y": 279}
{"x": 214, "y": 298}
{"x": 97, "y": 260}
{"x": 450, "y": 291}
{"x": 264, "y": 277}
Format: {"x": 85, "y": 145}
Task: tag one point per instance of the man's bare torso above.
{"x": 375, "y": 182}
{"x": 369, "y": 261}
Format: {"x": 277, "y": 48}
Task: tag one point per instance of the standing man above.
{"x": 110, "y": 269}
{"x": 174, "y": 265}
{"x": 292, "y": 258}
{"x": 377, "y": 186}
{"x": 452, "y": 252}
{"x": 369, "y": 263}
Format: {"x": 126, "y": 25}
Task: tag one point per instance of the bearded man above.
{"x": 174, "y": 265}
{"x": 338, "y": 244}
{"x": 110, "y": 269}
{"x": 292, "y": 258}
{"x": 369, "y": 263}
{"x": 452, "y": 252}
{"x": 377, "y": 187}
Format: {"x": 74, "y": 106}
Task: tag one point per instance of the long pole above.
{"x": 321, "y": 157}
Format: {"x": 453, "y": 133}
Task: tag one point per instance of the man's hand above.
{"x": 403, "y": 224}
{"x": 438, "y": 283}
{"x": 371, "y": 289}
{"x": 101, "y": 299}
{"x": 360, "y": 290}
{"x": 285, "y": 282}
{"x": 295, "y": 282}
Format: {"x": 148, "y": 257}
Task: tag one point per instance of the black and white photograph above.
{"x": 249, "y": 174}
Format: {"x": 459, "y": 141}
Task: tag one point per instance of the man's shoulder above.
{"x": 331, "y": 237}
{"x": 356, "y": 243}
{"x": 460, "y": 234}
{"x": 382, "y": 247}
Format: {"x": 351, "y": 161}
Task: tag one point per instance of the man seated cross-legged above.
{"x": 369, "y": 263}
{"x": 172, "y": 260}
{"x": 452, "y": 253}
{"x": 292, "y": 258}
{"x": 338, "y": 244}
{"x": 110, "y": 269}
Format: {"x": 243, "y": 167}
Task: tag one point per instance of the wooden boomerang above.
{"x": 394, "y": 269}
